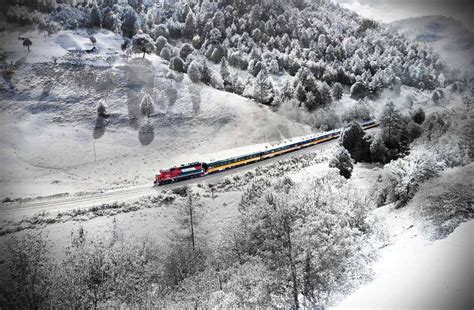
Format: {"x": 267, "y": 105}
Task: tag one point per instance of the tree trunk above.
{"x": 292, "y": 265}
{"x": 191, "y": 218}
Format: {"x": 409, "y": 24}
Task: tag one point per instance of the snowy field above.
{"x": 55, "y": 143}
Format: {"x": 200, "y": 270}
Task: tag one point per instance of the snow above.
{"x": 448, "y": 37}
{"x": 46, "y": 47}
{"x": 413, "y": 273}
{"x": 51, "y": 144}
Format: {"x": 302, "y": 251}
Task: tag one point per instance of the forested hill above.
{"x": 323, "y": 45}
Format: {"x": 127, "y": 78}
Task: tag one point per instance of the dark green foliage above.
{"x": 160, "y": 43}
{"x": 108, "y": 21}
{"x": 143, "y": 43}
{"x": 337, "y": 91}
{"x": 413, "y": 130}
{"x": 96, "y": 16}
{"x": 359, "y": 90}
{"x": 27, "y": 43}
{"x": 177, "y": 64}
{"x": 129, "y": 22}
{"x": 378, "y": 150}
{"x": 343, "y": 162}
{"x": 392, "y": 123}
{"x": 419, "y": 116}
{"x": 205, "y": 73}
{"x": 354, "y": 140}
{"x": 185, "y": 51}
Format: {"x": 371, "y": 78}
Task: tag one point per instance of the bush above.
{"x": 402, "y": 177}
{"x": 354, "y": 140}
{"x": 160, "y": 43}
{"x": 194, "y": 71}
{"x": 343, "y": 162}
{"x": 166, "y": 53}
{"x": 177, "y": 64}
{"x": 419, "y": 116}
{"x": 359, "y": 90}
{"x": 185, "y": 51}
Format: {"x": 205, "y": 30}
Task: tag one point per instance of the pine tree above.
{"x": 205, "y": 73}
{"x": 194, "y": 72}
{"x": 190, "y": 26}
{"x": 146, "y": 106}
{"x": 224, "y": 70}
{"x": 263, "y": 89}
{"x": 355, "y": 142}
{"x": 101, "y": 108}
{"x": 96, "y": 16}
{"x": 343, "y": 162}
{"x": 392, "y": 122}
{"x": 130, "y": 22}
{"x": 185, "y": 51}
{"x": 378, "y": 151}
{"x": 337, "y": 91}
{"x": 419, "y": 116}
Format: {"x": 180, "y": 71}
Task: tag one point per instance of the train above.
{"x": 200, "y": 169}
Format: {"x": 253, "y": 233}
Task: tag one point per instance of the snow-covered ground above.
{"x": 413, "y": 273}
{"x": 53, "y": 142}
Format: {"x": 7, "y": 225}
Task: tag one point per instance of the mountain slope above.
{"x": 447, "y": 36}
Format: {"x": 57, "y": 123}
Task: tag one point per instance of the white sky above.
{"x": 390, "y": 10}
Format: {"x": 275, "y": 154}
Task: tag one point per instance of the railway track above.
{"x": 130, "y": 193}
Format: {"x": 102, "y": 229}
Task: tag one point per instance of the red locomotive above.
{"x": 181, "y": 173}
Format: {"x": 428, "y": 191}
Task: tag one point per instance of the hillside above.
{"x": 448, "y": 37}
{"x": 49, "y": 117}
{"x": 97, "y": 96}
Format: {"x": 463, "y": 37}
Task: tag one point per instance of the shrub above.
{"x": 343, "y": 162}
{"x": 177, "y": 64}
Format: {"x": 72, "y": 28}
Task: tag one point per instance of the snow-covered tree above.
{"x": 177, "y": 64}
{"x": 224, "y": 70}
{"x": 185, "y": 51}
{"x": 419, "y": 116}
{"x": 190, "y": 26}
{"x": 337, "y": 91}
{"x": 166, "y": 53}
{"x": 402, "y": 177}
{"x": 27, "y": 43}
{"x": 205, "y": 73}
{"x": 354, "y": 140}
{"x": 130, "y": 22}
{"x": 378, "y": 151}
{"x": 359, "y": 90}
{"x": 392, "y": 123}
{"x": 325, "y": 92}
{"x": 160, "y": 43}
{"x": 343, "y": 162}
{"x": 101, "y": 108}
{"x": 194, "y": 71}
{"x": 96, "y": 16}
{"x": 263, "y": 88}
{"x": 142, "y": 43}
{"x": 146, "y": 106}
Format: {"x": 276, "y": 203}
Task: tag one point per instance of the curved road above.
{"x": 127, "y": 194}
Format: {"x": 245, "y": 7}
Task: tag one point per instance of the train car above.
{"x": 180, "y": 173}
{"x": 200, "y": 169}
{"x": 233, "y": 162}
{"x": 369, "y": 124}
